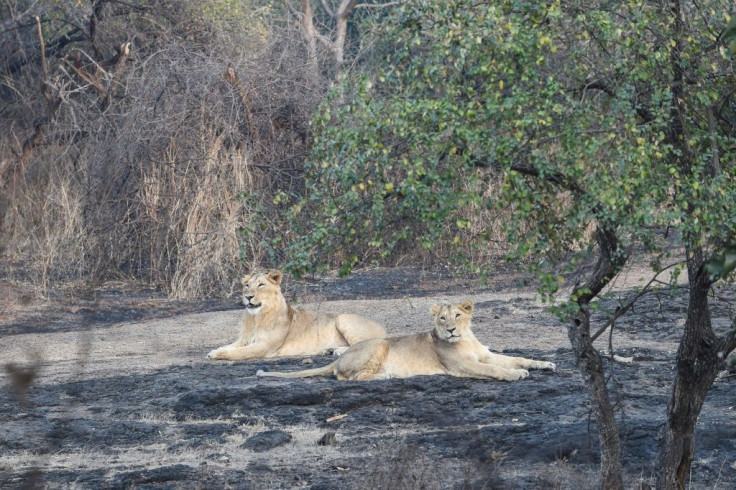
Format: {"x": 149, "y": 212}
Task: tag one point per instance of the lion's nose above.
{"x": 248, "y": 297}
{"x": 451, "y": 330}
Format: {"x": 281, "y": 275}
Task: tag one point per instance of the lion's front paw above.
{"x": 518, "y": 374}
{"x": 215, "y": 354}
{"x": 547, "y": 366}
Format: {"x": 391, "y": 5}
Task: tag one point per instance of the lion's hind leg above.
{"x": 356, "y": 329}
{"x": 363, "y": 361}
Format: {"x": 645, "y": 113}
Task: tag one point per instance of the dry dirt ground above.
{"x": 124, "y": 398}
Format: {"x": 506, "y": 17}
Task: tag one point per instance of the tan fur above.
{"x": 272, "y": 328}
{"x": 451, "y": 348}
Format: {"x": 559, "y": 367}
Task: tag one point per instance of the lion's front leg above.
{"x": 214, "y": 352}
{"x": 479, "y": 370}
{"x": 510, "y": 362}
{"x": 238, "y": 352}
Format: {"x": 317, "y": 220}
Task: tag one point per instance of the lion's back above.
{"x": 311, "y": 333}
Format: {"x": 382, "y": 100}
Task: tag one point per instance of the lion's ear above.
{"x": 467, "y": 306}
{"x": 245, "y": 279}
{"x": 435, "y": 309}
{"x": 275, "y": 276}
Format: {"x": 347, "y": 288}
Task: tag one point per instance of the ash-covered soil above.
{"x": 123, "y": 396}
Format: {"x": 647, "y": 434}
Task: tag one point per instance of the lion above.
{"x": 450, "y": 348}
{"x": 272, "y": 328}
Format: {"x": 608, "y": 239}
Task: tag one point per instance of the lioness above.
{"x": 272, "y": 328}
{"x": 451, "y": 348}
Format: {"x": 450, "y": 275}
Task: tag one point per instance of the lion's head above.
{"x": 452, "y": 321}
{"x": 262, "y": 289}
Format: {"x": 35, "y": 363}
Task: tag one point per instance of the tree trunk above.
{"x": 310, "y": 34}
{"x": 611, "y": 259}
{"x": 591, "y": 365}
{"x": 697, "y": 360}
{"x": 697, "y": 365}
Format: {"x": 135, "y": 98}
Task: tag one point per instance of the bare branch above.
{"x": 642, "y": 112}
{"x": 123, "y": 51}
{"x": 378, "y": 5}
{"x": 327, "y": 9}
{"x": 42, "y": 44}
{"x": 555, "y": 178}
{"x": 92, "y": 79}
{"x": 132, "y": 6}
{"x": 94, "y": 18}
{"x": 346, "y": 6}
{"x": 26, "y": 19}
{"x": 622, "y": 310}
{"x": 232, "y": 78}
{"x": 326, "y": 41}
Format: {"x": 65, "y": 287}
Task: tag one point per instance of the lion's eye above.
{"x": 260, "y": 286}
{"x": 457, "y": 315}
{"x": 442, "y": 318}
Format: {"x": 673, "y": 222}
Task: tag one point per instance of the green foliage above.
{"x": 729, "y": 36}
{"x": 723, "y": 263}
{"x": 571, "y": 106}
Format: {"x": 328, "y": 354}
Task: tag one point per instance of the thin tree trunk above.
{"x": 310, "y": 34}
{"x": 696, "y": 368}
{"x": 697, "y": 360}
{"x": 591, "y": 366}
{"x": 611, "y": 260}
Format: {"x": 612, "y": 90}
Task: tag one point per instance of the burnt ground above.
{"x": 123, "y": 397}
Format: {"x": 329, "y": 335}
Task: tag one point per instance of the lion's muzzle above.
{"x": 252, "y": 308}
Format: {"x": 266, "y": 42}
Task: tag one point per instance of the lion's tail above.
{"x": 320, "y": 371}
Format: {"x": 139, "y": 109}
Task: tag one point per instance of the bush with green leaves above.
{"x": 474, "y": 93}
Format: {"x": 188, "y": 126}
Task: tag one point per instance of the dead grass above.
{"x": 163, "y": 168}
{"x": 169, "y": 178}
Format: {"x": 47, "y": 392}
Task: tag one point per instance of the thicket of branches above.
{"x": 163, "y": 141}
{"x": 147, "y": 140}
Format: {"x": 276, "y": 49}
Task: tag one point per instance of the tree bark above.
{"x": 591, "y": 366}
{"x": 611, "y": 260}
{"x": 310, "y": 34}
{"x": 698, "y": 359}
{"x": 697, "y": 365}
{"x": 341, "y": 18}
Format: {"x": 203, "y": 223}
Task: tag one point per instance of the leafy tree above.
{"x": 605, "y": 123}
{"x": 700, "y": 136}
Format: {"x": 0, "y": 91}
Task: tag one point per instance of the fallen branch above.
{"x": 619, "y": 359}
{"x": 336, "y": 417}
